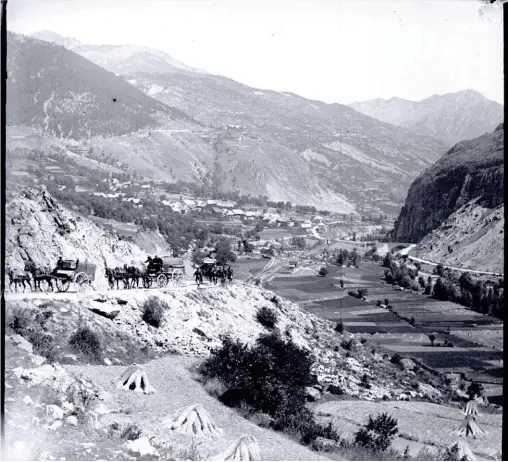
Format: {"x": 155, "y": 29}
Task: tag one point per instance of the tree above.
{"x": 474, "y": 390}
{"x": 362, "y": 292}
{"x": 421, "y": 281}
{"x": 439, "y": 270}
{"x": 388, "y": 260}
{"x": 432, "y": 339}
{"x": 223, "y": 252}
{"x": 323, "y": 272}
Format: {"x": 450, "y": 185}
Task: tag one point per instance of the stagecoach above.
{"x": 82, "y": 274}
{"x": 173, "y": 269}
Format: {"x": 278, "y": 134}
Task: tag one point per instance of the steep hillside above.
{"x": 450, "y": 118}
{"x": 65, "y": 95}
{"x": 119, "y": 59}
{"x": 38, "y": 228}
{"x": 255, "y": 142}
{"x": 472, "y": 237}
{"x": 272, "y": 138}
{"x": 470, "y": 170}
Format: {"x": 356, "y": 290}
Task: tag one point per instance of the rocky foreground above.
{"x": 74, "y": 399}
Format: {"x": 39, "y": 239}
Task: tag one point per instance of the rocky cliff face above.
{"x": 38, "y": 228}
{"x": 471, "y": 169}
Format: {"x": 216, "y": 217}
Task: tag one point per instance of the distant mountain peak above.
{"x": 451, "y": 117}
{"x": 56, "y": 38}
{"x": 119, "y": 59}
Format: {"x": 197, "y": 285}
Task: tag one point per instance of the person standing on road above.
{"x": 198, "y": 276}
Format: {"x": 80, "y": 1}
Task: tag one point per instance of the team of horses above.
{"x": 31, "y": 273}
{"x": 129, "y": 275}
{"x": 214, "y": 274}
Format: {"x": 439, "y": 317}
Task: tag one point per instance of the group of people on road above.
{"x": 214, "y": 274}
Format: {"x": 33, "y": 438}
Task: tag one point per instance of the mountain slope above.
{"x": 239, "y": 138}
{"x": 470, "y": 170}
{"x": 450, "y": 118}
{"x": 67, "y": 96}
{"x": 262, "y": 134}
{"x": 472, "y": 237}
{"x": 119, "y": 59}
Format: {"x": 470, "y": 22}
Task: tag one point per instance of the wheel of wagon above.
{"x": 147, "y": 282}
{"x": 45, "y": 287}
{"x": 162, "y": 280}
{"x": 82, "y": 282}
{"x": 63, "y": 284}
{"x": 177, "y": 278}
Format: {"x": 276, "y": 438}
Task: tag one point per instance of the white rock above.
{"x": 107, "y": 362}
{"x": 64, "y": 310}
{"x": 38, "y": 360}
{"x": 56, "y": 425}
{"x": 68, "y": 407}
{"x": 142, "y": 447}
{"x": 72, "y": 420}
{"x": 21, "y": 342}
{"x": 27, "y": 400}
{"x": 54, "y": 412}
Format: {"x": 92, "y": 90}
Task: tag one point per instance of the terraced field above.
{"x": 477, "y": 340}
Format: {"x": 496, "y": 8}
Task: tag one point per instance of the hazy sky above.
{"x": 330, "y": 50}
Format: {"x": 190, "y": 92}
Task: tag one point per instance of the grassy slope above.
{"x": 175, "y": 389}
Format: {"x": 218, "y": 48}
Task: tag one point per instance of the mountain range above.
{"x": 174, "y": 122}
{"x": 451, "y": 118}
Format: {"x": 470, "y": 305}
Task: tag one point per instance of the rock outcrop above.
{"x": 39, "y": 229}
{"x": 470, "y": 170}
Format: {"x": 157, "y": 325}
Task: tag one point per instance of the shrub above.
{"x": 87, "y": 342}
{"x": 267, "y": 317}
{"x": 153, "y": 311}
{"x": 323, "y": 272}
{"x": 270, "y": 376}
{"x": 32, "y": 326}
{"x": 378, "y": 433}
{"x": 131, "y": 432}
{"x": 335, "y": 390}
{"x": 365, "y": 382}
{"x": 412, "y": 321}
{"x": 474, "y": 390}
{"x": 339, "y": 327}
{"x": 396, "y": 359}
{"x": 362, "y": 292}
{"x": 347, "y": 344}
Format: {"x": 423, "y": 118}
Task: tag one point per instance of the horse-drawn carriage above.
{"x": 82, "y": 274}
{"x": 172, "y": 270}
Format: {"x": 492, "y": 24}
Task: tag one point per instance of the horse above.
{"x": 117, "y": 275}
{"x": 133, "y": 275}
{"x": 18, "y": 278}
{"x": 39, "y": 275}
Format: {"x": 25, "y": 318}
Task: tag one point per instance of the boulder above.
{"x": 142, "y": 446}
{"x": 104, "y": 310}
{"x": 312, "y": 394}
{"x": 21, "y": 342}
{"x": 408, "y": 364}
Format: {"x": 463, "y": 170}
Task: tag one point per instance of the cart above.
{"x": 173, "y": 270}
{"x": 82, "y": 274}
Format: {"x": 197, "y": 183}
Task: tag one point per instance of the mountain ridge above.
{"x": 450, "y": 117}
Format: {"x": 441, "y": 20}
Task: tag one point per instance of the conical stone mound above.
{"x": 195, "y": 421}
{"x": 246, "y": 448}
{"x": 134, "y": 378}
{"x": 462, "y": 451}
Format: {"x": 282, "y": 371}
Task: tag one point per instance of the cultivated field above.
{"x": 477, "y": 349}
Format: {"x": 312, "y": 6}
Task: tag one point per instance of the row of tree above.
{"x": 345, "y": 257}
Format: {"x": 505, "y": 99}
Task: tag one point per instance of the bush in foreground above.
{"x": 32, "y": 326}
{"x": 266, "y": 317}
{"x": 86, "y": 342}
{"x": 269, "y": 378}
{"x": 377, "y": 434}
{"x": 153, "y": 311}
